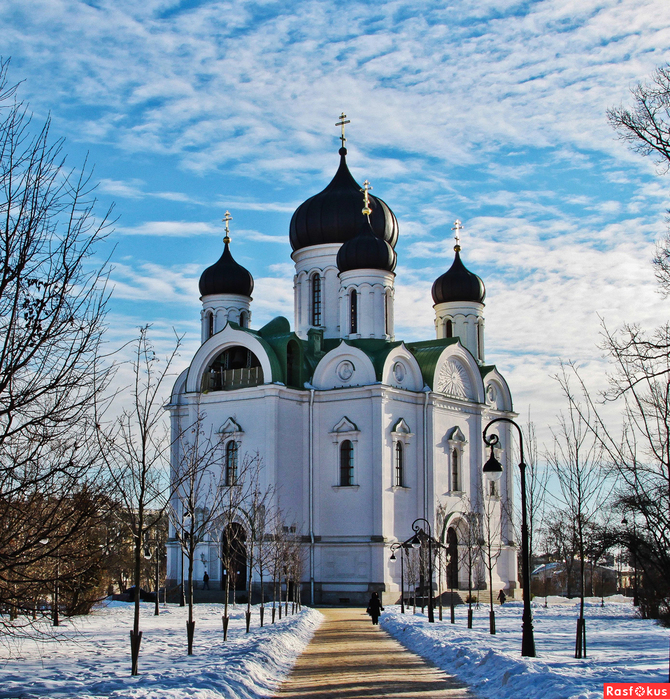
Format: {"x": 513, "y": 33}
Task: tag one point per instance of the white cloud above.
{"x": 169, "y": 228}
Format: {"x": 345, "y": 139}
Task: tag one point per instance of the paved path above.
{"x": 350, "y": 658}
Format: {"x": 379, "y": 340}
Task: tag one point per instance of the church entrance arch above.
{"x": 452, "y": 567}
{"x": 234, "y": 557}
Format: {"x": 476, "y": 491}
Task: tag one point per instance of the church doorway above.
{"x": 452, "y": 567}
{"x": 234, "y": 557}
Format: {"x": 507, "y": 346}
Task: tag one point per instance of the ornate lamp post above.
{"x": 493, "y": 471}
{"x": 416, "y": 542}
{"x": 394, "y": 548}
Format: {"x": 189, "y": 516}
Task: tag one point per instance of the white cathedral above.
{"x": 360, "y": 432}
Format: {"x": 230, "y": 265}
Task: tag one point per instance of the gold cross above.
{"x": 458, "y": 227}
{"x": 366, "y": 198}
{"x": 226, "y": 219}
{"x": 343, "y": 120}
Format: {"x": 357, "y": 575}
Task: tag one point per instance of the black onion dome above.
{"x": 366, "y": 251}
{"x": 458, "y": 284}
{"x": 333, "y": 215}
{"x": 226, "y": 277}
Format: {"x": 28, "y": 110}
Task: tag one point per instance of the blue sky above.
{"x": 490, "y": 111}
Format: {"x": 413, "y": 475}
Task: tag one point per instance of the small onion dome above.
{"x": 226, "y": 277}
{"x": 458, "y": 284}
{"x": 366, "y": 251}
{"x": 332, "y": 216}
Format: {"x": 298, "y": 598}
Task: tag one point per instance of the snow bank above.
{"x": 92, "y": 659}
{"x": 620, "y": 648}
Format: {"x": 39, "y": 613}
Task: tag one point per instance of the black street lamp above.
{"x": 394, "y": 548}
{"x": 418, "y": 539}
{"x": 493, "y": 471}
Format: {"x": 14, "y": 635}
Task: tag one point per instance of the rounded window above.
{"x": 235, "y": 367}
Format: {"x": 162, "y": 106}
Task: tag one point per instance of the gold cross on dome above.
{"x": 458, "y": 227}
{"x": 226, "y": 219}
{"x": 343, "y": 120}
{"x": 366, "y": 197}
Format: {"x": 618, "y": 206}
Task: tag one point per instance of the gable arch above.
{"x": 498, "y": 395}
{"x": 457, "y": 375}
{"x": 227, "y": 338}
{"x": 343, "y": 367}
{"x": 402, "y": 370}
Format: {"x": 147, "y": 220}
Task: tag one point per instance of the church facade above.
{"x": 360, "y": 432}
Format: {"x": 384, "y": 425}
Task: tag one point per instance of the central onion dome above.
{"x": 333, "y": 215}
{"x": 226, "y": 276}
{"x": 366, "y": 251}
{"x": 458, "y": 284}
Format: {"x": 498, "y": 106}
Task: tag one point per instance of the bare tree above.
{"x": 646, "y": 128}
{"x": 229, "y": 527}
{"x": 52, "y": 310}
{"x": 471, "y": 550}
{"x": 577, "y": 462}
{"x": 136, "y": 450}
{"x": 199, "y": 496}
{"x": 492, "y": 546}
{"x": 258, "y": 502}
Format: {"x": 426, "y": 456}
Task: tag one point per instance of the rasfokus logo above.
{"x": 636, "y": 689}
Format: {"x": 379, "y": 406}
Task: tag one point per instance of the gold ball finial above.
{"x": 226, "y": 219}
{"x": 366, "y": 198}
{"x": 458, "y": 227}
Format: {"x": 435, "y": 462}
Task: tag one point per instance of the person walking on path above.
{"x": 205, "y": 581}
{"x": 501, "y": 597}
{"x": 375, "y": 608}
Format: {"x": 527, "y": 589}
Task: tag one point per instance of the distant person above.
{"x": 205, "y": 581}
{"x": 501, "y": 597}
{"x": 375, "y": 608}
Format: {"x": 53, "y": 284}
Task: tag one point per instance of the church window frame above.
{"x": 316, "y": 300}
{"x": 399, "y": 471}
{"x": 401, "y": 439}
{"x": 449, "y": 328}
{"x": 456, "y": 450}
{"x": 353, "y": 312}
{"x": 346, "y": 463}
{"x": 231, "y": 462}
{"x": 345, "y": 431}
{"x": 244, "y": 319}
{"x": 209, "y": 324}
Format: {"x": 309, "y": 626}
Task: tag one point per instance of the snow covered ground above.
{"x": 620, "y": 648}
{"x": 92, "y": 659}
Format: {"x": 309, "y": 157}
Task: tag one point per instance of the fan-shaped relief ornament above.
{"x": 453, "y": 380}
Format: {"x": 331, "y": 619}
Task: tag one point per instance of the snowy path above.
{"x": 92, "y": 660}
{"x": 349, "y": 658}
{"x": 621, "y": 648}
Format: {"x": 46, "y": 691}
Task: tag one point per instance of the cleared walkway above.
{"x": 350, "y": 658}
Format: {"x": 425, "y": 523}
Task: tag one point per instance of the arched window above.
{"x": 316, "y": 299}
{"x": 346, "y": 463}
{"x": 387, "y": 324}
{"x": 231, "y": 462}
{"x": 235, "y": 367}
{"x": 455, "y": 485}
{"x": 479, "y": 341}
{"x": 353, "y": 312}
{"x": 449, "y": 329}
{"x": 492, "y": 489}
{"x": 209, "y": 319}
{"x": 244, "y": 319}
{"x": 399, "y": 465}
